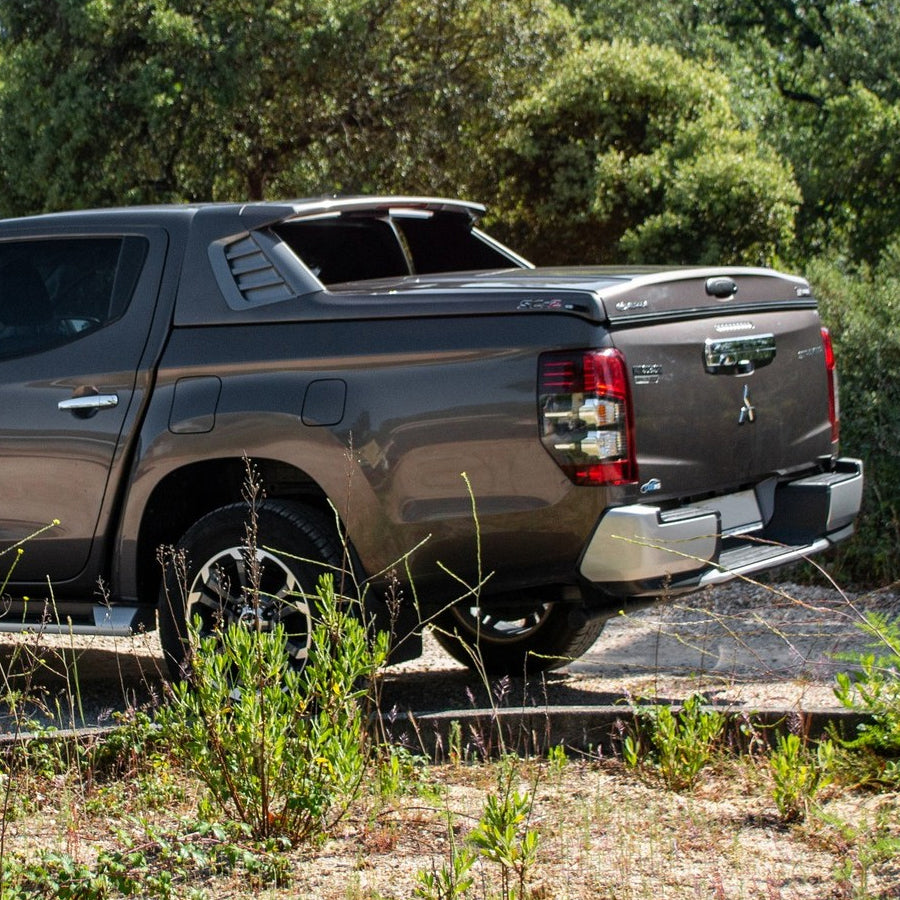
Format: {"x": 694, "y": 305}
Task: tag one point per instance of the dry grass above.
{"x": 605, "y": 834}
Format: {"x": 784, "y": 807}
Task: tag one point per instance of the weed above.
{"x": 502, "y": 836}
{"x": 674, "y": 747}
{"x": 865, "y": 849}
{"x": 160, "y": 865}
{"x": 399, "y": 771}
{"x": 285, "y": 749}
{"x": 454, "y": 879}
{"x": 557, "y": 758}
{"x": 455, "y": 741}
{"x": 798, "y": 775}
{"x": 874, "y": 690}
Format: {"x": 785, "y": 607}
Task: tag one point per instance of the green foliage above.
{"x": 630, "y": 152}
{"x": 164, "y": 866}
{"x": 654, "y": 147}
{"x": 862, "y": 310}
{"x": 822, "y": 80}
{"x": 399, "y": 772}
{"x": 674, "y": 747}
{"x": 845, "y": 180}
{"x": 283, "y": 750}
{"x": 798, "y": 775}
{"x": 873, "y": 688}
{"x": 868, "y": 846}
{"x": 453, "y": 880}
{"x": 557, "y": 758}
{"x": 503, "y": 837}
{"x": 166, "y": 100}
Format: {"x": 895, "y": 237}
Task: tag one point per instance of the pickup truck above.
{"x": 508, "y": 453}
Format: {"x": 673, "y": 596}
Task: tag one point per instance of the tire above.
{"x": 543, "y": 636}
{"x": 207, "y": 576}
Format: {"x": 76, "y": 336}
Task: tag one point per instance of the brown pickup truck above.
{"x": 416, "y": 398}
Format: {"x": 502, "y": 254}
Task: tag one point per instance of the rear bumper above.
{"x": 643, "y": 550}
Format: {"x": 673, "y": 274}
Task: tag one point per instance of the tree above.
{"x": 630, "y": 152}
{"x": 821, "y": 78}
{"x": 154, "y": 100}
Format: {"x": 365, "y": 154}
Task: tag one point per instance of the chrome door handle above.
{"x": 89, "y": 403}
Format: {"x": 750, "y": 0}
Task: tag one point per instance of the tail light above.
{"x": 586, "y": 417}
{"x": 834, "y": 410}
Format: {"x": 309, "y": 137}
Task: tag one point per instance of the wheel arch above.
{"x": 188, "y": 493}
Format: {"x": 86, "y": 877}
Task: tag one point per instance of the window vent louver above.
{"x": 258, "y": 269}
{"x": 256, "y": 278}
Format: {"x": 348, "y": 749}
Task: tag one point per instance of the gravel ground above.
{"x": 745, "y": 645}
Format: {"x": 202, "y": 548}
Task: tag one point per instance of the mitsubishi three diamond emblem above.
{"x": 748, "y": 410}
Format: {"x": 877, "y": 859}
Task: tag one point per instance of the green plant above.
{"x": 284, "y": 749}
{"x": 557, "y": 758}
{"x": 399, "y": 771}
{"x": 798, "y": 775}
{"x": 873, "y": 688}
{"x": 865, "y": 848}
{"x": 454, "y": 879}
{"x": 161, "y": 865}
{"x": 455, "y": 742}
{"x": 502, "y": 835}
{"x": 674, "y": 746}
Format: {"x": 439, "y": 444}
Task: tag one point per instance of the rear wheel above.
{"x": 535, "y": 637}
{"x": 211, "y": 576}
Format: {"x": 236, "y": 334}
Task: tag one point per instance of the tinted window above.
{"x": 357, "y": 247}
{"x": 57, "y": 290}
{"x": 337, "y": 250}
{"x": 446, "y": 243}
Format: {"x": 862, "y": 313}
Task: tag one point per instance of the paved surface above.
{"x": 742, "y": 646}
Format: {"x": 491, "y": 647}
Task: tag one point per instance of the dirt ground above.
{"x": 606, "y": 832}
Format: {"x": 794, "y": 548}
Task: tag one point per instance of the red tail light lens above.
{"x": 586, "y": 416}
{"x": 834, "y": 411}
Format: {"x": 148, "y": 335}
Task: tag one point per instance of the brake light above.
{"x": 834, "y": 410}
{"x": 586, "y": 417}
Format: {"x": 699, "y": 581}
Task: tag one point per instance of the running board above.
{"x": 108, "y": 621}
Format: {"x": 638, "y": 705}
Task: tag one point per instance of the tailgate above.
{"x": 727, "y": 390}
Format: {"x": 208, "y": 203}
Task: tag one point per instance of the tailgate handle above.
{"x": 738, "y": 356}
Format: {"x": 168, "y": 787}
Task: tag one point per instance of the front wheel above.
{"x": 211, "y": 575}
{"x": 536, "y": 637}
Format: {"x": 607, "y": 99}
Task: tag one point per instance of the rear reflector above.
{"x": 586, "y": 417}
{"x": 834, "y": 412}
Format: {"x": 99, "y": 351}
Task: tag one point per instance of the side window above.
{"x": 54, "y": 291}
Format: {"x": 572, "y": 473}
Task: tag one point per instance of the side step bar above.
{"x": 108, "y": 621}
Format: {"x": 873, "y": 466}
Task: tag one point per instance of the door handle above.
{"x": 89, "y": 404}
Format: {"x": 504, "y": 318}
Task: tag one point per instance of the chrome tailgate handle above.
{"x": 738, "y": 356}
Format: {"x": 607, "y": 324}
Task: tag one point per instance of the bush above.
{"x": 862, "y": 310}
{"x": 285, "y": 751}
{"x": 629, "y": 152}
{"x": 798, "y": 774}
{"x": 873, "y": 688}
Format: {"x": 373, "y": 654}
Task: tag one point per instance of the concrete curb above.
{"x": 595, "y": 730}
{"x": 592, "y": 730}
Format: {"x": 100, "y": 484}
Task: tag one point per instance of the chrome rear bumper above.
{"x": 642, "y": 550}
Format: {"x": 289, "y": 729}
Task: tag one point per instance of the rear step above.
{"x": 108, "y": 621}
{"x": 744, "y": 556}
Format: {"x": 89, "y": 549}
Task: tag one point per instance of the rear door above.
{"x": 75, "y": 312}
